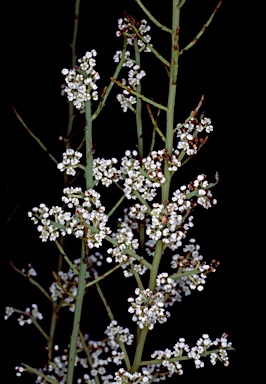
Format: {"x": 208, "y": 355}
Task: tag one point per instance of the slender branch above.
{"x": 142, "y": 38}
{"x": 111, "y": 317}
{"x": 89, "y": 358}
{"x": 40, "y": 374}
{"x": 54, "y": 319}
{"x": 178, "y": 275}
{"x": 77, "y": 314}
{"x": 31, "y": 280}
{"x": 104, "y": 275}
{"x": 193, "y": 114}
{"x": 129, "y": 252}
{"x": 130, "y": 90}
{"x": 112, "y": 241}
{"x": 155, "y": 264}
{"x": 89, "y": 146}
{"x": 33, "y": 319}
{"x": 107, "y": 90}
{"x": 61, "y": 250}
{"x": 106, "y": 305}
{"x": 34, "y": 136}
{"x": 75, "y": 33}
{"x": 137, "y": 277}
{"x": 155, "y": 21}
{"x": 193, "y": 42}
{"x": 116, "y": 205}
{"x": 155, "y": 126}
{"x": 84, "y": 252}
{"x": 142, "y": 200}
{"x": 171, "y": 96}
{"x": 182, "y": 358}
{"x": 138, "y": 105}
{"x": 139, "y": 350}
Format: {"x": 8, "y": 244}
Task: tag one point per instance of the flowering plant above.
{"x": 151, "y": 225}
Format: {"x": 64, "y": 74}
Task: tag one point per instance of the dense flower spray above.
{"x": 157, "y": 218}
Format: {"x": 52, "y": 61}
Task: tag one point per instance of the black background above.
{"x": 227, "y": 66}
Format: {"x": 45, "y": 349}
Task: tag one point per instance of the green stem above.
{"x": 138, "y": 105}
{"x": 116, "y": 206}
{"x": 89, "y": 146}
{"x": 155, "y": 264}
{"x": 171, "y": 96}
{"x": 52, "y": 332}
{"x": 142, "y": 236}
{"x": 77, "y": 314}
{"x": 137, "y": 277}
{"x": 154, "y": 123}
{"x": 84, "y": 251}
{"x": 139, "y": 350}
{"x": 75, "y": 33}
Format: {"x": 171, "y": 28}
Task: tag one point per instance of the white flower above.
{"x": 81, "y": 87}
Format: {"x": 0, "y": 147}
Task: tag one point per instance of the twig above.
{"x": 130, "y": 90}
{"x": 193, "y": 42}
{"x": 155, "y": 21}
{"x": 32, "y": 135}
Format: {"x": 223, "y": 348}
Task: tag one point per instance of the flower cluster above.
{"x": 104, "y": 170}
{"x": 124, "y": 377}
{"x": 135, "y": 73}
{"x": 128, "y": 62}
{"x": 71, "y": 159}
{"x": 197, "y": 192}
{"x": 88, "y": 219}
{"x": 174, "y": 287}
{"x": 65, "y": 288}
{"x": 137, "y": 180}
{"x": 187, "y": 134}
{"x": 102, "y": 353}
{"x": 125, "y": 240}
{"x": 31, "y": 314}
{"x": 138, "y": 212}
{"x": 81, "y": 81}
{"x": 125, "y": 28}
{"x": 117, "y": 333}
{"x": 126, "y": 100}
{"x": 165, "y": 224}
{"x": 222, "y": 356}
{"x": 148, "y": 308}
{"x": 166, "y": 368}
{"x": 30, "y": 272}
